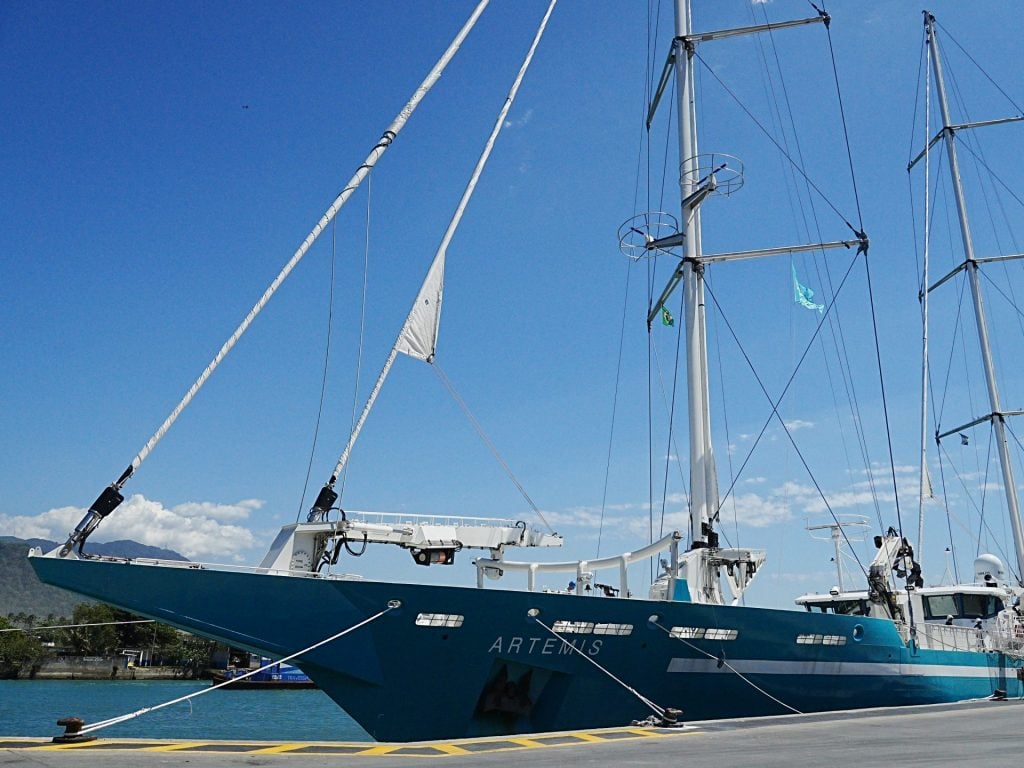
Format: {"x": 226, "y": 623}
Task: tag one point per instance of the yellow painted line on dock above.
{"x": 452, "y": 748}
{"x": 278, "y": 749}
{"x": 164, "y": 747}
{"x": 383, "y": 749}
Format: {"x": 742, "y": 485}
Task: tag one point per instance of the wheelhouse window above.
{"x": 962, "y": 606}
{"x": 940, "y": 606}
{"x": 843, "y": 607}
{"x": 980, "y": 606}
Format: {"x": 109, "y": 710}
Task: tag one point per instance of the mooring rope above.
{"x": 132, "y": 715}
{"x": 730, "y": 667}
{"x": 659, "y": 711}
{"x": 77, "y": 626}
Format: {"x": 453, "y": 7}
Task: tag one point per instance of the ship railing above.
{"x": 398, "y": 518}
{"x": 584, "y": 570}
{"x": 947, "y": 637}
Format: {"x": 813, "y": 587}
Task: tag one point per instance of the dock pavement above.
{"x": 963, "y": 734}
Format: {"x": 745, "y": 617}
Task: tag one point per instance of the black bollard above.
{"x": 72, "y": 734}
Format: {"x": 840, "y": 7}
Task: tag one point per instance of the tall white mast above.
{"x": 703, "y": 477}
{"x": 702, "y": 565}
{"x": 997, "y": 415}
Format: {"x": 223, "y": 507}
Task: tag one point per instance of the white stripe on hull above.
{"x": 773, "y": 667}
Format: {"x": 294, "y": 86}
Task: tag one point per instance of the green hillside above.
{"x": 22, "y": 592}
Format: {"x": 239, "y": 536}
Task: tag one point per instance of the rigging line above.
{"x": 975, "y": 506}
{"x": 659, "y": 711}
{"x": 949, "y": 514}
{"x": 323, "y": 377}
{"x": 434, "y": 279}
{"x": 615, "y": 404}
{"x": 188, "y": 697}
{"x": 721, "y": 659}
{"x": 671, "y": 421}
{"x": 1021, "y": 447}
{"x": 77, "y": 626}
{"x": 980, "y": 68}
{"x": 674, "y": 446}
{"x": 778, "y": 146}
{"x": 980, "y": 160}
{"x": 487, "y": 441}
{"x": 728, "y": 439}
{"x": 921, "y": 63}
{"x": 1010, "y": 299}
{"x": 661, "y": 206}
{"x": 958, "y": 332}
{"x": 984, "y": 491}
{"x": 978, "y": 153}
{"x": 775, "y": 405}
{"x": 846, "y": 132}
{"x": 650, "y": 447}
{"x": 885, "y": 406}
{"x": 110, "y": 497}
{"x": 835, "y": 322}
{"x": 362, "y": 323}
{"x": 776, "y": 113}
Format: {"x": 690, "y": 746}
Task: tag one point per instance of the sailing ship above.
{"x": 414, "y": 661}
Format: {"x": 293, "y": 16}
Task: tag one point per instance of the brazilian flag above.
{"x": 666, "y": 317}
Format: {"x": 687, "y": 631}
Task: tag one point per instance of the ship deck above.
{"x": 935, "y": 735}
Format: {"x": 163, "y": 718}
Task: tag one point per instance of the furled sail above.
{"x": 419, "y": 334}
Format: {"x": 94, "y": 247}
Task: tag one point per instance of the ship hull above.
{"x": 502, "y": 672}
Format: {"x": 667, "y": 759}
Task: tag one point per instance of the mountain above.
{"x": 22, "y": 592}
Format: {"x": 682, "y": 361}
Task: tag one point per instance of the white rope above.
{"x": 375, "y": 154}
{"x": 75, "y": 626}
{"x": 731, "y": 668}
{"x": 653, "y": 707}
{"x": 132, "y": 715}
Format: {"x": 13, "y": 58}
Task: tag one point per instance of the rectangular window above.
{"x": 687, "y": 633}
{"x": 850, "y": 607}
{"x": 613, "y": 629}
{"x": 439, "y": 620}
{"x": 940, "y": 606}
{"x": 980, "y": 606}
{"x": 820, "y": 640}
{"x": 714, "y": 633}
{"x": 574, "y": 627}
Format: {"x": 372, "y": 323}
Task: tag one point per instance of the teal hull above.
{"x": 501, "y": 672}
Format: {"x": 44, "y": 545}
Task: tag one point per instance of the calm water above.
{"x": 32, "y": 708}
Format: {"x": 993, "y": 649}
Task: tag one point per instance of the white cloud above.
{"x": 794, "y": 424}
{"x": 195, "y": 529}
{"x": 759, "y": 511}
{"x": 521, "y": 121}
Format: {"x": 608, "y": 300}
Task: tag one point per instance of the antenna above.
{"x": 845, "y": 528}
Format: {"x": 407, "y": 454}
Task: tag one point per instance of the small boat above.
{"x": 277, "y": 677}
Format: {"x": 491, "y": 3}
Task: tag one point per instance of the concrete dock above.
{"x": 969, "y": 733}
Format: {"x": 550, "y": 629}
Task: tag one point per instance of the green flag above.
{"x": 666, "y": 317}
{"x": 803, "y": 295}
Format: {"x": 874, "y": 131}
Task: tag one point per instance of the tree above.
{"x": 92, "y": 641}
{"x": 17, "y": 650}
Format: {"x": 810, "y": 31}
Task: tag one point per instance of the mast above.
{"x": 703, "y": 477}
{"x": 971, "y": 265}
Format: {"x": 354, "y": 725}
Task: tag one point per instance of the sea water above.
{"x": 32, "y": 708}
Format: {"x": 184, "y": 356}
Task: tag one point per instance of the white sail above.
{"x": 419, "y": 334}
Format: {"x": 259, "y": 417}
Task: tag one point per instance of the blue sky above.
{"x": 162, "y": 161}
